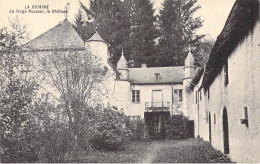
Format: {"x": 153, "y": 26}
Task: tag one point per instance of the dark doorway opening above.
{"x": 190, "y": 126}
{"x": 225, "y": 132}
{"x": 209, "y": 127}
{"x": 156, "y": 124}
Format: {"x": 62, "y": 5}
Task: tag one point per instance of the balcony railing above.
{"x": 154, "y": 106}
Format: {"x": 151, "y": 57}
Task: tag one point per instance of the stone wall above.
{"x": 242, "y": 91}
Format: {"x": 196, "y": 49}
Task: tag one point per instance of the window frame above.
{"x": 226, "y": 80}
{"x": 208, "y": 93}
{"x": 135, "y": 98}
{"x": 157, "y": 76}
{"x": 196, "y": 97}
{"x": 178, "y": 93}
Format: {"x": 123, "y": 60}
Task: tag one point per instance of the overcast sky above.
{"x": 213, "y": 12}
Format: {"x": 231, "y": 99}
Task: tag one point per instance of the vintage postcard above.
{"x": 129, "y": 81}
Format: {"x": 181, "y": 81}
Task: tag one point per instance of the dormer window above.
{"x": 157, "y": 76}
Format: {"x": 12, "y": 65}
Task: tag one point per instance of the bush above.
{"x": 109, "y": 130}
{"x": 176, "y": 127}
{"x": 17, "y": 136}
{"x": 138, "y": 129}
{"x": 54, "y": 136}
{"x": 54, "y": 144}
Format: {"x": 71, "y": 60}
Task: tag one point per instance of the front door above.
{"x": 157, "y": 99}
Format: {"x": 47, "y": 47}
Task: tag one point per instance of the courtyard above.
{"x": 155, "y": 151}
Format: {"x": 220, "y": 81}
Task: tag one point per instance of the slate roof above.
{"x": 96, "y": 37}
{"x": 147, "y": 75}
{"x": 198, "y": 74}
{"x": 61, "y": 37}
{"x": 241, "y": 21}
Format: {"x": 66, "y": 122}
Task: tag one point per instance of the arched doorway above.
{"x": 209, "y": 127}
{"x": 225, "y": 131}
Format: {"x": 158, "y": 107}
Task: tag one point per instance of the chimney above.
{"x": 143, "y": 65}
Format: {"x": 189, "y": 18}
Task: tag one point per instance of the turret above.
{"x": 122, "y": 67}
{"x": 97, "y": 47}
{"x": 189, "y": 66}
{"x": 189, "y": 72}
{"x": 123, "y": 85}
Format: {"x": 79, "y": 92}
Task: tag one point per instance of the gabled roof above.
{"x": 241, "y": 21}
{"x": 62, "y": 36}
{"x": 147, "y": 75}
{"x": 96, "y": 37}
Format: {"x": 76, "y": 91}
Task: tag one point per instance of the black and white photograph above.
{"x": 129, "y": 81}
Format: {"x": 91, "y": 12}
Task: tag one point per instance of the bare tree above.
{"x": 77, "y": 78}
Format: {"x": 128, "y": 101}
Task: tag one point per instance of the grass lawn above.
{"x": 155, "y": 151}
{"x": 133, "y": 153}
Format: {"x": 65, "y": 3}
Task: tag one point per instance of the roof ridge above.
{"x": 45, "y": 31}
{"x": 62, "y": 35}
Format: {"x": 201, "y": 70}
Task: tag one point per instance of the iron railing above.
{"x": 163, "y": 105}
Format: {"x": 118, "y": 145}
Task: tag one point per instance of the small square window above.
{"x": 157, "y": 76}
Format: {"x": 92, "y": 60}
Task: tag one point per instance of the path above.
{"x": 179, "y": 151}
{"x": 156, "y": 151}
{"x": 155, "y": 147}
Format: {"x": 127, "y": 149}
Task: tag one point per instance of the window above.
{"x": 246, "y": 113}
{"x": 208, "y": 93}
{"x": 207, "y": 117}
{"x": 136, "y": 96}
{"x": 226, "y": 73}
{"x": 177, "y": 95}
{"x": 196, "y": 97}
{"x": 157, "y": 76}
{"x": 200, "y": 95}
{"x": 245, "y": 119}
{"x": 214, "y": 118}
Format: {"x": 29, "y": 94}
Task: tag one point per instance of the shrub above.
{"x": 16, "y": 132}
{"x": 176, "y": 127}
{"x": 54, "y": 136}
{"x": 138, "y": 129}
{"x": 109, "y": 130}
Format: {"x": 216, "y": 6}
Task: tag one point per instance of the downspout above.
{"x": 198, "y": 115}
{"x": 172, "y": 98}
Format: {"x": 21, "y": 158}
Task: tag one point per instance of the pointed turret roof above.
{"x": 96, "y": 37}
{"x": 122, "y": 63}
{"x": 62, "y": 36}
{"x": 189, "y": 61}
